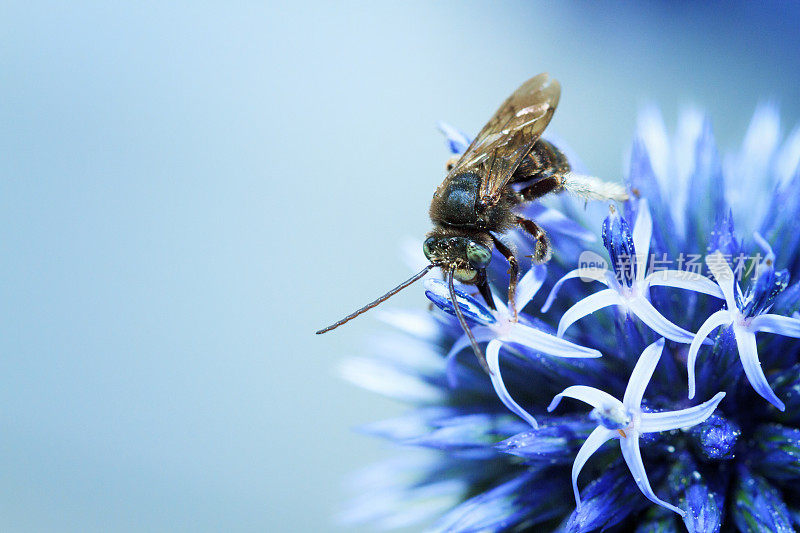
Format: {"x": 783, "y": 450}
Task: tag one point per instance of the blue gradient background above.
{"x": 188, "y": 191}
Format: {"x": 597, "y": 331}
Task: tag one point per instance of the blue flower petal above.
{"x": 748, "y": 355}
{"x": 703, "y": 514}
{"x": 700, "y": 492}
{"x": 438, "y": 292}
{"x": 781, "y": 325}
{"x": 529, "y": 285}
{"x": 788, "y": 302}
{"x": 786, "y": 385}
{"x": 618, "y": 240}
{"x": 606, "y": 501}
{"x": 648, "y": 314}
{"x": 457, "y": 141}
{"x": 410, "y": 426}
{"x": 493, "y": 360}
{"x": 530, "y": 497}
{"x": 546, "y": 343}
{"x": 707, "y": 188}
{"x": 391, "y": 380}
{"x": 585, "y": 274}
{"x": 718, "y": 319}
{"x": 633, "y": 457}
{"x": 682, "y": 418}
{"x": 777, "y": 452}
{"x": 662, "y": 524}
{"x": 716, "y": 438}
{"x": 404, "y": 491}
{"x": 759, "y": 506}
{"x": 762, "y": 294}
{"x": 723, "y": 237}
{"x": 748, "y": 173}
{"x": 780, "y": 221}
{"x": 587, "y": 306}
{"x": 481, "y": 334}
{"x": 555, "y": 442}
{"x": 719, "y": 368}
{"x": 642, "y": 179}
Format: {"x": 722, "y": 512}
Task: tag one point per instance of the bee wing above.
{"x": 509, "y": 136}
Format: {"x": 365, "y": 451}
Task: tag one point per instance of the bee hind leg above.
{"x": 592, "y": 188}
{"x": 513, "y": 274}
{"x": 542, "y": 187}
{"x": 543, "y": 251}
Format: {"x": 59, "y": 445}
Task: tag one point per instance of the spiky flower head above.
{"x": 699, "y": 379}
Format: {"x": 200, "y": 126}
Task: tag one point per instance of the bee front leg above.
{"x": 513, "y": 274}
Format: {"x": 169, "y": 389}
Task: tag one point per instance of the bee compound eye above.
{"x": 478, "y": 255}
{"x": 427, "y": 247}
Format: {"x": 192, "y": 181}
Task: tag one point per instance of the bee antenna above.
{"x": 464, "y": 325}
{"x": 380, "y": 300}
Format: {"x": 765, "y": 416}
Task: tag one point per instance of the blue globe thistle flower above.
{"x": 705, "y": 256}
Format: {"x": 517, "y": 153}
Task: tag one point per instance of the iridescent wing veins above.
{"x": 509, "y": 136}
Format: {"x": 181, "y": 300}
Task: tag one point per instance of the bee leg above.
{"x": 486, "y": 292}
{"x": 543, "y": 187}
{"x": 452, "y": 162}
{"x": 542, "y": 252}
{"x": 513, "y": 273}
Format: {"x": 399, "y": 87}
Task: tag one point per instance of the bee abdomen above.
{"x": 544, "y": 169}
{"x": 544, "y": 161}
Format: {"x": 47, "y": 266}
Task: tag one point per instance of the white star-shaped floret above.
{"x": 744, "y": 329}
{"x": 500, "y": 327}
{"x": 625, "y": 420}
{"x": 633, "y": 298}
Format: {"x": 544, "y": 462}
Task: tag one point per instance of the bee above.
{"x": 508, "y": 164}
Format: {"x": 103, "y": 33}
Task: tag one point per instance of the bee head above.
{"x": 468, "y": 255}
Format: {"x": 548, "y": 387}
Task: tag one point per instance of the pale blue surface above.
{"x": 188, "y": 192}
